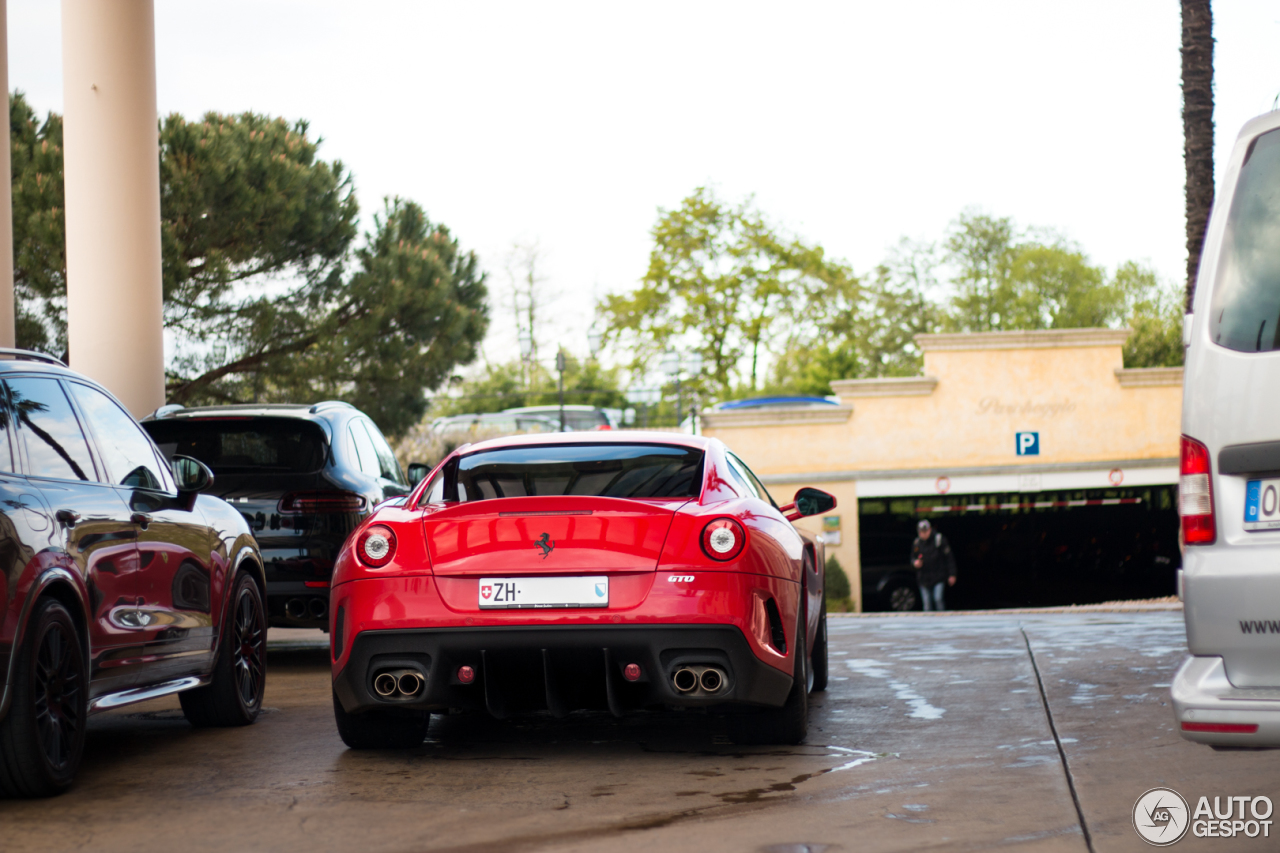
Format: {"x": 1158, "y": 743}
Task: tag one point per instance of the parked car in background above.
{"x": 1226, "y": 693}
{"x": 302, "y": 476}
{"x": 612, "y": 570}
{"x": 490, "y": 425}
{"x": 120, "y": 582}
{"x": 578, "y": 418}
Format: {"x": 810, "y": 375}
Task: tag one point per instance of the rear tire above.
{"x": 234, "y": 696}
{"x": 389, "y": 729}
{"x": 786, "y": 725}
{"x": 818, "y": 660}
{"x": 42, "y": 737}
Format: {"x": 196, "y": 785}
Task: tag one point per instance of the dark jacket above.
{"x": 939, "y": 562}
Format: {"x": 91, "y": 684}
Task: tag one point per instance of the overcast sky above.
{"x": 852, "y": 123}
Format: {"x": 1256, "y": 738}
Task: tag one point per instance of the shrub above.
{"x": 837, "y": 581}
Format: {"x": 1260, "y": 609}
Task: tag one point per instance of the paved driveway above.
{"x": 933, "y": 735}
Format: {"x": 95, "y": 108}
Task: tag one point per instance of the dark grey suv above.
{"x": 119, "y": 581}
{"x": 303, "y": 477}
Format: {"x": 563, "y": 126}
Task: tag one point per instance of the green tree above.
{"x": 721, "y": 281}
{"x": 412, "y": 311}
{"x": 999, "y": 279}
{"x": 1155, "y": 313}
{"x": 1003, "y": 281}
{"x": 981, "y": 248}
{"x": 263, "y": 292}
{"x": 39, "y": 230}
{"x": 515, "y": 384}
{"x": 865, "y": 331}
{"x": 244, "y": 199}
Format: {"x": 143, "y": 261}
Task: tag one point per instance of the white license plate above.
{"x": 1262, "y": 505}
{"x": 543, "y": 592}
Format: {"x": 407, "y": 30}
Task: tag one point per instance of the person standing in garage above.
{"x": 934, "y": 563}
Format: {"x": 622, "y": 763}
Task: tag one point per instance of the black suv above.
{"x": 302, "y": 476}
{"x": 119, "y": 582}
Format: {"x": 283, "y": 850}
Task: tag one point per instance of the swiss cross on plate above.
{"x": 486, "y": 591}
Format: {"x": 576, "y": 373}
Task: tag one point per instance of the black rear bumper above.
{"x": 557, "y": 669}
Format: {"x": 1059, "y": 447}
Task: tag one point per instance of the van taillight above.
{"x": 1195, "y": 494}
{"x": 334, "y": 501}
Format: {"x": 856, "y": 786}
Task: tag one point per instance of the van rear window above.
{"x": 243, "y": 445}
{"x": 598, "y": 470}
{"x": 1246, "y": 298}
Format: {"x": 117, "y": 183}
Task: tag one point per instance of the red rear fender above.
{"x": 410, "y": 557}
{"x": 773, "y": 545}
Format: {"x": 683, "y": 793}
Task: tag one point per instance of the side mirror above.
{"x": 418, "y": 470}
{"x": 192, "y": 475}
{"x": 809, "y": 502}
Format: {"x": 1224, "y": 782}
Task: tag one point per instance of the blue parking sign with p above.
{"x": 1028, "y": 443}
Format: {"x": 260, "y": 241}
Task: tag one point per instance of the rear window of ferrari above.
{"x": 599, "y": 470}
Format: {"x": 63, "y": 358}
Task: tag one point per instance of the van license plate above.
{"x": 543, "y": 592}
{"x": 1262, "y": 505}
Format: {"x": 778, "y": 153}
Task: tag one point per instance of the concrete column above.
{"x": 6, "y": 196}
{"x": 112, "y": 172}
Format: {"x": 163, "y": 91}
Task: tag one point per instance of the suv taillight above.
{"x": 1195, "y": 494}
{"x": 335, "y": 501}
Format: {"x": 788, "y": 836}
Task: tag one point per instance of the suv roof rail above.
{"x": 165, "y": 411}
{"x": 329, "y": 404}
{"x": 31, "y": 355}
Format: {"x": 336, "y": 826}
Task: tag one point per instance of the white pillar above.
{"x": 111, "y": 151}
{"x": 6, "y": 196}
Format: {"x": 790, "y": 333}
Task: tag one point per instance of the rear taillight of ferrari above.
{"x": 376, "y": 546}
{"x": 723, "y": 539}
{"x": 1195, "y": 494}
{"x": 322, "y": 502}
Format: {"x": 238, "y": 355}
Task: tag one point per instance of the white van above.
{"x": 1228, "y": 692}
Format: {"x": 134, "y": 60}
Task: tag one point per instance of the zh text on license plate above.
{"x": 543, "y": 592}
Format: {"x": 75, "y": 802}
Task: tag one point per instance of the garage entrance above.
{"x": 1026, "y": 550}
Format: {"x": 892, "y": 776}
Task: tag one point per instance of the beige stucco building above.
{"x": 952, "y": 430}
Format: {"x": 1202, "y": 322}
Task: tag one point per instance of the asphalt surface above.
{"x": 932, "y": 736}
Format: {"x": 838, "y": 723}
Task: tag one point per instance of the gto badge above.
{"x": 545, "y": 545}
{"x": 680, "y": 579}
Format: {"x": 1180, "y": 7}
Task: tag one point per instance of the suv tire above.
{"x": 42, "y": 738}
{"x": 234, "y": 696}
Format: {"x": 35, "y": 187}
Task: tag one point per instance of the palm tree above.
{"x": 1197, "y": 127}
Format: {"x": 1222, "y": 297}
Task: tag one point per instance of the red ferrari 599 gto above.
{"x": 619, "y": 571}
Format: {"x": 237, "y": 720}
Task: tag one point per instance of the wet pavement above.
{"x": 933, "y": 735}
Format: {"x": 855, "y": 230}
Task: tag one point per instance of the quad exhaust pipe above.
{"x": 703, "y": 679}
{"x": 398, "y": 683}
